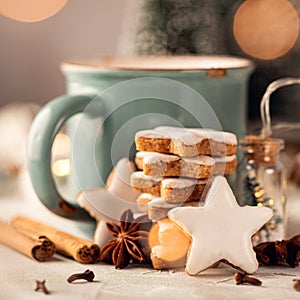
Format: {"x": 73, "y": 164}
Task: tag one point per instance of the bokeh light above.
{"x": 61, "y": 167}
{"x": 30, "y": 10}
{"x": 61, "y": 145}
{"x": 266, "y": 29}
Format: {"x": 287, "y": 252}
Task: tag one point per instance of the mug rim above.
{"x": 158, "y": 63}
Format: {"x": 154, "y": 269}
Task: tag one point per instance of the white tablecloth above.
{"x": 18, "y": 273}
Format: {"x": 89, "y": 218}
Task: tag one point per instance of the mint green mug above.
{"x": 109, "y": 99}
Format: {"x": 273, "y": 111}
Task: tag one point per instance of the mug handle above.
{"x": 45, "y": 127}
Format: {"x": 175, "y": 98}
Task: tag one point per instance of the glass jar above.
{"x": 263, "y": 183}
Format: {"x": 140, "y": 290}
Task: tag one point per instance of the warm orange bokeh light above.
{"x": 172, "y": 242}
{"x": 266, "y": 29}
{"x": 30, "y": 10}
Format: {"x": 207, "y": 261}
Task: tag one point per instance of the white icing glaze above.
{"x": 143, "y": 200}
{"x": 153, "y": 157}
{"x": 207, "y": 160}
{"x": 159, "y": 157}
{"x": 200, "y": 160}
{"x": 190, "y": 136}
{"x": 160, "y": 203}
{"x": 152, "y": 134}
{"x": 218, "y": 136}
{"x": 146, "y": 197}
{"x": 224, "y": 159}
{"x": 142, "y": 154}
{"x": 140, "y": 175}
{"x": 221, "y": 229}
{"x": 181, "y": 183}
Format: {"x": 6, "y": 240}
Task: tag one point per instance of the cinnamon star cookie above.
{"x": 221, "y": 229}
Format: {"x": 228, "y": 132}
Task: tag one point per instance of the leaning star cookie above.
{"x": 221, "y": 229}
{"x": 107, "y": 204}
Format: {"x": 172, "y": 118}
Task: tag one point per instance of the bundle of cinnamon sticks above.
{"x": 40, "y": 241}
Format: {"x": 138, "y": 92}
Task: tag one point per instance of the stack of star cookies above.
{"x": 175, "y": 165}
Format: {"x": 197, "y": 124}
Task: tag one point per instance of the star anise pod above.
{"x": 282, "y": 253}
{"x": 130, "y": 236}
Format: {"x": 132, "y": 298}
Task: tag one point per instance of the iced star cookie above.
{"x": 149, "y": 160}
{"x": 157, "y": 208}
{"x": 145, "y": 183}
{"x": 142, "y": 202}
{"x": 186, "y": 142}
{"x": 107, "y": 204}
{"x": 171, "y": 190}
{"x": 158, "y": 164}
{"x": 179, "y": 190}
{"x": 225, "y": 165}
{"x": 220, "y": 230}
{"x": 193, "y": 167}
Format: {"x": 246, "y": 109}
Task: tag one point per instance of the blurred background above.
{"x": 37, "y": 36}
{"x": 32, "y": 51}
{"x": 265, "y": 31}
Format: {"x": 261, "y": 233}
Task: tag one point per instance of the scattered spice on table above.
{"x": 282, "y": 253}
{"x": 129, "y": 238}
{"x": 87, "y": 275}
{"x": 241, "y": 278}
{"x": 296, "y": 284}
{"x": 41, "y": 286}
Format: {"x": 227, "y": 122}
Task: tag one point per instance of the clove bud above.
{"x": 296, "y": 284}
{"x": 40, "y": 285}
{"x": 86, "y": 275}
{"x": 241, "y": 278}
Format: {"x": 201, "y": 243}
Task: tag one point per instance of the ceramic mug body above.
{"x": 110, "y": 99}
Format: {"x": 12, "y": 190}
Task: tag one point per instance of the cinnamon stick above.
{"x": 39, "y": 248}
{"x": 81, "y": 250}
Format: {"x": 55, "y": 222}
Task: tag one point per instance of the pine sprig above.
{"x": 182, "y": 27}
